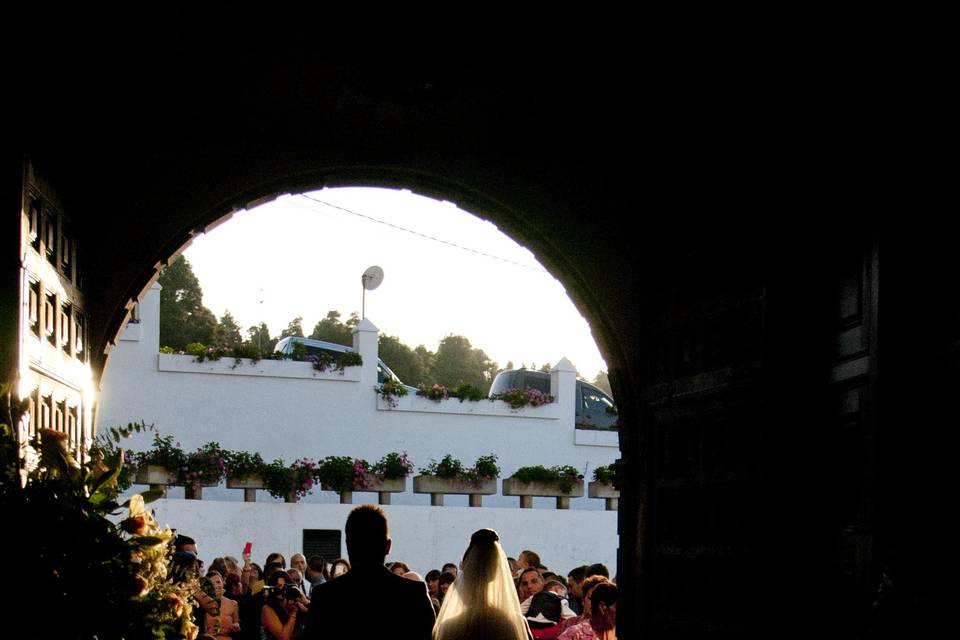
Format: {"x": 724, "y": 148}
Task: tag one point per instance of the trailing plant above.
{"x": 518, "y": 398}
{"x": 298, "y": 478}
{"x": 390, "y": 390}
{"x": 104, "y": 578}
{"x": 349, "y": 359}
{"x": 343, "y": 473}
{"x": 206, "y": 465}
{"x": 392, "y": 466}
{"x": 605, "y": 474}
{"x": 321, "y": 361}
{"x": 239, "y": 464}
{"x": 451, "y": 468}
{"x": 437, "y": 392}
{"x": 467, "y": 391}
{"x": 565, "y": 476}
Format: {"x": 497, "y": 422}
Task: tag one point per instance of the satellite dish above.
{"x": 372, "y": 278}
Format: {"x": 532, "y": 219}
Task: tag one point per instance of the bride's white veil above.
{"x": 482, "y": 602}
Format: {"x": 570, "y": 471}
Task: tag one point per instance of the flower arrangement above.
{"x": 390, "y": 390}
{"x": 241, "y": 464}
{"x": 437, "y": 392}
{"x": 297, "y": 479}
{"x": 323, "y": 360}
{"x": 206, "y": 465}
{"x": 343, "y": 473}
{"x": 565, "y": 476}
{"x": 467, "y": 391}
{"x": 392, "y": 466}
{"x": 451, "y": 468}
{"x": 84, "y": 561}
{"x": 518, "y": 398}
{"x": 606, "y": 474}
{"x": 163, "y": 453}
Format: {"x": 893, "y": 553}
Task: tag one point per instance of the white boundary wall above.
{"x": 423, "y": 537}
{"x": 287, "y": 409}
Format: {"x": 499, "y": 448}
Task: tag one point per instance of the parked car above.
{"x": 314, "y": 347}
{"x": 595, "y": 409}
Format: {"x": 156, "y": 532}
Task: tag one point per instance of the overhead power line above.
{"x": 422, "y": 235}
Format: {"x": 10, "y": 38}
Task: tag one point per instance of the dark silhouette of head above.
{"x": 368, "y": 536}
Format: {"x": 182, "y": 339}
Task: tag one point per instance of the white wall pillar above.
{"x": 366, "y": 343}
{"x": 563, "y": 386}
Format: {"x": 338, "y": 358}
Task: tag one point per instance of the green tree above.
{"x": 457, "y": 362}
{"x": 294, "y": 328}
{"x": 183, "y": 318}
{"x": 404, "y": 361}
{"x": 333, "y": 330}
{"x": 228, "y": 331}
{"x": 259, "y": 336}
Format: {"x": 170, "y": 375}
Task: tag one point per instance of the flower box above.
{"x": 249, "y": 484}
{"x": 528, "y": 490}
{"x": 382, "y": 486}
{"x": 597, "y": 489}
{"x": 438, "y": 487}
{"x": 157, "y": 476}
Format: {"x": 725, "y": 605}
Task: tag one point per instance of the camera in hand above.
{"x": 289, "y": 591}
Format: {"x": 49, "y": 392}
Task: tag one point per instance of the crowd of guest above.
{"x": 243, "y": 600}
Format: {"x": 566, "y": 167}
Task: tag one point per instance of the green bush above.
{"x": 565, "y": 476}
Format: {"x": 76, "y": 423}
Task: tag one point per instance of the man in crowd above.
{"x": 342, "y": 608}
{"x": 315, "y": 573}
{"x": 574, "y": 583}
{"x": 530, "y": 584}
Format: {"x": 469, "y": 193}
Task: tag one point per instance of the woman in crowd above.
{"x": 229, "y": 611}
{"x": 586, "y": 589}
{"x": 602, "y": 621}
{"x": 285, "y": 609}
{"x": 482, "y": 604}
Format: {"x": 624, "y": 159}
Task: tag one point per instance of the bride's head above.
{"x": 481, "y": 560}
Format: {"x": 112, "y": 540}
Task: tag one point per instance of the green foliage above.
{"x": 564, "y": 476}
{"x": 294, "y": 328}
{"x": 392, "y": 466}
{"x": 436, "y": 392}
{"x": 167, "y": 350}
{"x": 404, "y": 361}
{"x": 195, "y": 349}
{"x": 183, "y": 318}
{"x": 339, "y": 473}
{"x": 206, "y": 465}
{"x": 299, "y": 352}
{"x": 457, "y": 362}
{"x": 259, "y": 335}
{"x": 518, "y": 398}
{"x": 331, "y": 329}
{"x": 605, "y": 474}
{"x": 467, "y": 391}
{"x": 281, "y": 480}
{"x": 390, "y": 390}
{"x": 349, "y": 359}
{"x": 452, "y": 469}
{"x": 102, "y": 579}
{"x": 107, "y": 453}
{"x": 163, "y": 452}
{"x": 227, "y": 333}
{"x": 239, "y": 464}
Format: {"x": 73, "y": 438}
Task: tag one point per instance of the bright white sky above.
{"x": 294, "y": 256}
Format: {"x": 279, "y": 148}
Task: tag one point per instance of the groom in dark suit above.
{"x": 369, "y": 601}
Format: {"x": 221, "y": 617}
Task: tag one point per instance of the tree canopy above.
{"x": 183, "y": 318}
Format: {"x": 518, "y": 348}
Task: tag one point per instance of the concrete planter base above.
{"x": 383, "y": 489}
{"x": 249, "y": 484}
{"x": 438, "y": 487}
{"x": 527, "y": 491}
{"x": 605, "y": 490}
{"x": 156, "y": 476}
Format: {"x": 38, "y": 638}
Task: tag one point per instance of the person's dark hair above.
{"x": 399, "y": 565}
{"x": 526, "y": 571}
{"x": 605, "y": 592}
{"x": 530, "y": 557}
{"x": 547, "y": 603}
{"x": 367, "y": 533}
{"x": 433, "y": 574}
{"x": 449, "y": 564}
{"x": 276, "y": 557}
{"x": 598, "y": 569}
{"x": 220, "y": 566}
{"x": 274, "y": 598}
{"x": 232, "y": 582}
{"x": 316, "y": 563}
{"x": 578, "y": 574}
{"x": 255, "y": 567}
{"x": 549, "y": 575}
{"x": 446, "y": 578}
{"x": 271, "y": 567}
{"x": 552, "y": 582}
{"x": 182, "y": 540}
